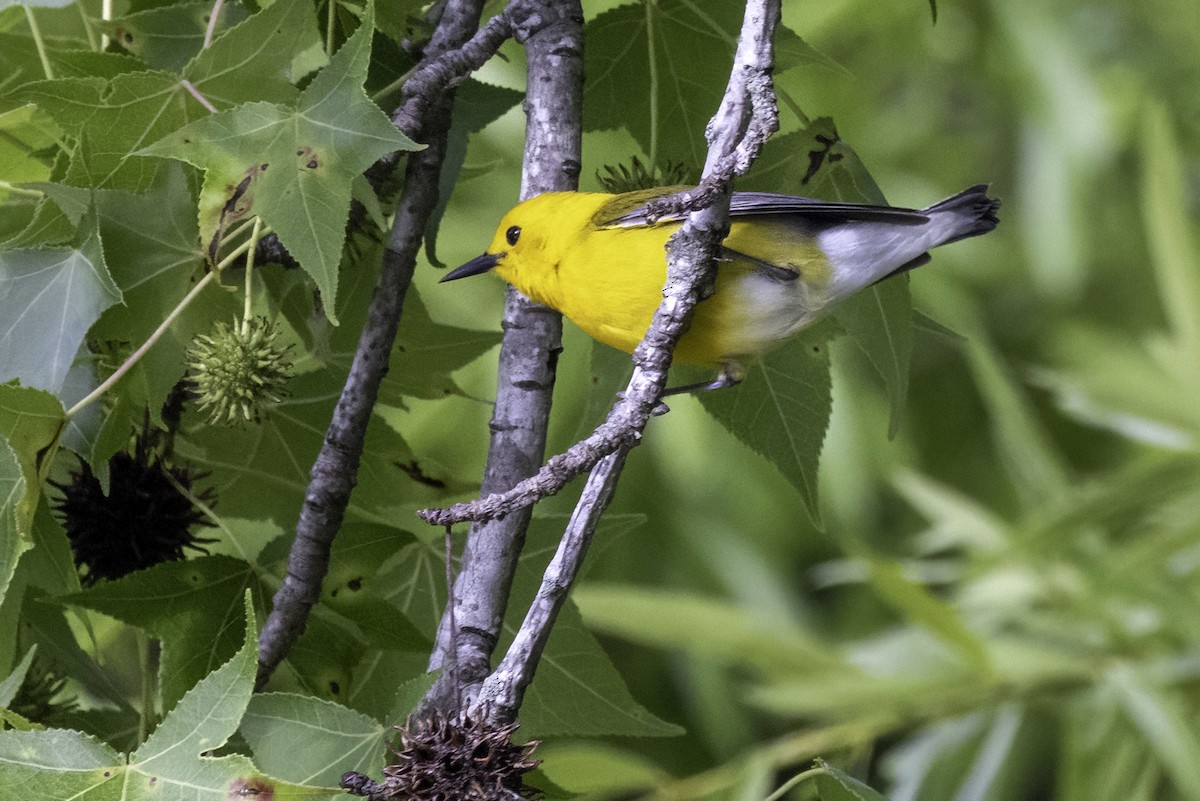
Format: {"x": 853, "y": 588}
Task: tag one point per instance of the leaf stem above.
{"x": 20, "y": 190}
{"x": 393, "y": 86}
{"x": 88, "y": 28}
{"x": 331, "y": 18}
{"x": 247, "y": 310}
{"x": 653, "y": 154}
{"x": 36, "y": 32}
{"x": 213, "y": 17}
{"x": 150, "y": 652}
{"x": 140, "y": 352}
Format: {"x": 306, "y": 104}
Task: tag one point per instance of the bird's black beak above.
{"x": 477, "y": 265}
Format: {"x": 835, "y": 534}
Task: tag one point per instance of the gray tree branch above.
{"x": 424, "y": 116}
{"x": 552, "y": 32}
{"x": 746, "y": 117}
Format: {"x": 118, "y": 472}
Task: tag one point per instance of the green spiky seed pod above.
{"x": 621, "y": 178}
{"x": 239, "y": 372}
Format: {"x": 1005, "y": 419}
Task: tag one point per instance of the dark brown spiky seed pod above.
{"x": 239, "y": 370}
{"x": 621, "y": 178}
{"x": 452, "y": 759}
{"x": 41, "y": 697}
{"x": 143, "y": 520}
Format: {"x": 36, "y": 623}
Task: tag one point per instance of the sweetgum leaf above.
{"x": 334, "y": 739}
{"x": 165, "y": 38}
{"x": 31, "y": 421}
{"x": 111, "y": 119}
{"x": 49, "y": 298}
{"x": 292, "y": 165}
{"x": 171, "y": 765}
{"x": 192, "y": 606}
{"x": 781, "y": 410}
{"x": 254, "y": 59}
{"x": 12, "y": 492}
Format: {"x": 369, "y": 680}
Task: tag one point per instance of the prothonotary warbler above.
{"x": 787, "y": 260}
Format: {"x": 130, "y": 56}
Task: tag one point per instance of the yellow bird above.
{"x": 787, "y": 260}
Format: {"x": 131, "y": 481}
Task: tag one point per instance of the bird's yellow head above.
{"x": 532, "y": 240}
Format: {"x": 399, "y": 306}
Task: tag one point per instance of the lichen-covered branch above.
{"x": 552, "y": 32}
{"x": 424, "y": 116}
{"x": 746, "y": 117}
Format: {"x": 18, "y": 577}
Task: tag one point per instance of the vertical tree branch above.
{"x": 552, "y": 32}
{"x": 424, "y": 117}
{"x": 745, "y": 119}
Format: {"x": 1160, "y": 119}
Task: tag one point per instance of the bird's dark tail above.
{"x": 969, "y": 213}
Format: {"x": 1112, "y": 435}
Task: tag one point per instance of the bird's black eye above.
{"x": 513, "y": 234}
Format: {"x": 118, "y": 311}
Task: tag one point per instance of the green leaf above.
{"x": 595, "y": 767}
{"x": 704, "y": 627}
{"x": 427, "y": 353}
{"x": 921, "y": 607}
{"x": 191, "y": 606}
{"x": 152, "y": 243}
{"x": 879, "y": 320}
{"x": 1161, "y": 721}
{"x": 660, "y": 69}
{"x": 165, "y": 38}
{"x": 833, "y": 785}
{"x": 111, "y": 118}
{"x": 31, "y": 422}
{"x": 781, "y": 410}
{"x": 310, "y": 741}
{"x": 1103, "y": 756}
{"x": 24, "y": 131}
{"x": 12, "y": 683}
{"x": 577, "y": 690}
{"x": 12, "y": 495}
{"x": 255, "y": 59}
{"x": 475, "y": 106}
{"x": 172, "y": 765}
{"x": 1169, "y": 231}
{"x": 293, "y": 166}
{"x": 45, "y": 623}
{"x": 264, "y": 470}
{"x": 816, "y": 162}
{"x": 48, "y": 300}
